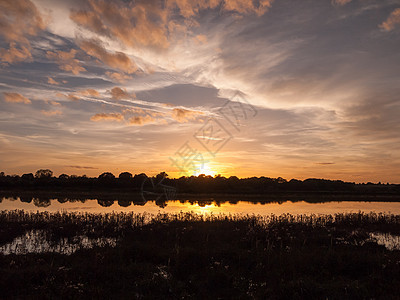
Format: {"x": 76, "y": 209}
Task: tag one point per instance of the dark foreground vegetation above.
{"x": 192, "y": 256}
{"x": 43, "y": 180}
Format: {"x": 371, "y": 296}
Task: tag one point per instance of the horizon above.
{"x": 116, "y": 175}
{"x": 274, "y": 88}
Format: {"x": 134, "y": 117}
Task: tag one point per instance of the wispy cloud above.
{"x": 16, "y": 98}
{"x": 183, "y": 115}
{"x": 117, "y": 60}
{"x": 107, "y": 117}
{"x": 51, "y": 113}
{"x": 118, "y": 93}
{"x": 52, "y": 81}
{"x": 391, "y": 21}
{"x": 66, "y": 61}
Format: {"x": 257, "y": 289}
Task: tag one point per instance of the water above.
{"x": 38, "y": 241}
{"x": 204, "y": 206}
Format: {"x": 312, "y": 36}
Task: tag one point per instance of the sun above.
{"x": 207, "y": 170}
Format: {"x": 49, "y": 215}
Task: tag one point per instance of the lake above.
{"x": 204, "y": 206}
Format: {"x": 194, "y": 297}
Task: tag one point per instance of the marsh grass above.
{"x": 189, "y": 255}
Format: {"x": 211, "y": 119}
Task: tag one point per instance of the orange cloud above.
{"x": 118, "y": 94}
{"x": 52, "y": 81}
{"x": 135, "y": 110}
{"x": 50, "y": 113}
{"x": 153, "y": 20}
{"x": 248, "y": 6}
{"x": 201, "y": 39}
{"x": 148, "y": 28}
{"x": 66, "y": 61}
{"x": 90, "y": 93}
{"x": 189, "y": 8}
{"x": 71, "y": 97}
{"x": 141, "y": 120}
{"x": 19, "y": 18}
{"x": 55, "y": 103}
{"x": 13, "y": 54}
{"x": 118, "y": 76}
{"x": 107, "y": 117}
{"x": 391, "y": 21}
{"x": 183, "y": 115}
{"x": 340, "y": 2}
{"x": 117, "y": 60}
{"x": 16, "y": 98}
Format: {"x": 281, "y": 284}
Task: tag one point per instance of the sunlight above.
{"x": 207, "y": 170}
{"x": 203, "y": 209}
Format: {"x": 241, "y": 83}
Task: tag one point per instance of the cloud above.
{"x": 117, "y": 60}
{"x": 325, "y": 163}
{"x": 183, "y": 115}
{"x": 114, "y": 19}
{"x": 391, "y": 21}
{"x": 52, "y": 81}
{"x": 13, "y": 54}
{"x": 120, "y": 77}
{"x": 248, "y": 6}
{"x": 107, "y": 117}
{"x": 16, "y": 98}
{"x": 340, "y": 2}
{"x": 141, "y": 120}
{"x": 82, "y": 167}
{"x": 135, "y": 110}
{"x": 90, "y": 93}
{"x": 70, "y": 96}
{"x": 200, "y": 39}
{"x": 66, "y": 61}
{"x": 146, "y": 23}
{"x": 118, "y": 94}
{"x": 50, "y": 113}
{"x": 55, "y": 103}
{"x": 19, "y": 19}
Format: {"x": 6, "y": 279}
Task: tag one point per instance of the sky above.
{"x": 276, "y": 88}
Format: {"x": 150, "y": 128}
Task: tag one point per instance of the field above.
{"x": 197, "y": 256}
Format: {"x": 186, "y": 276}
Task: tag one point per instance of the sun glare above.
{"x": 207, "y": 170}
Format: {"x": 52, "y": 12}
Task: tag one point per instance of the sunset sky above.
{"x": 296, "y": 89}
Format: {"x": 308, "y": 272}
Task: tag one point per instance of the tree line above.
{"x": 45, "y": 179}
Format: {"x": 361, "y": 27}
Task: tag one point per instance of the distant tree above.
{"x": 106, "y": 178}
{"x": 2, "y": 174}
{"x": 41, "y": 202}
{"x": 161, "y": 175}
{"x": 106, "y": 175}
{"x": 27, "y": 177}
{"x": 44, "y": 173}
{"x": 63, "y": 177}
{"x": 281, "y": 180}
{"x": 126, "y": 176}
{"x": 124, "y": 202}
{"x": 138, "y": 179}
{"x": 105, "y": 202}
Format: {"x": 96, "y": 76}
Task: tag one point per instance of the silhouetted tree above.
{"x": 125, "y": 176}
{"x": 106, "y": 178}
{"x": 27, "y": 177}
{"x": 105, "y": 202}
{"x": 161, "y": 176}
{"x": 44, "y": 173}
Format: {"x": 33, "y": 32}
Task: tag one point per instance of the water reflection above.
{"x": 208, "y": 205}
